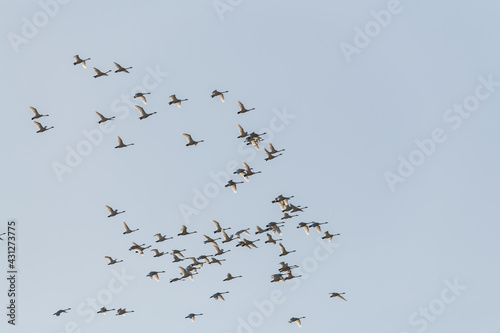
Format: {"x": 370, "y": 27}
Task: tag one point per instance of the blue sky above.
{"x": 416, "y": 252}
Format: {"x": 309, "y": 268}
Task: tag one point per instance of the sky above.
{"x": 386, "y": 112}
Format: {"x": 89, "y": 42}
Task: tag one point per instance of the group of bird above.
{"x": 240, "y": 237}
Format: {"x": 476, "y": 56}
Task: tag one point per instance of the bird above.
{"x": 120, "y": 68}
{"x": 260, "y": 230}
{"x": 103, "y": 310}
{"x": 275, "y": 227}
{"x": 190, "y": 140}
{"x": 242, "y": 231}
{"x": 99, "y": 73}
{"x": 288, "y": 216}
{"x": 242, "y": 108}
{"x": 218, "y": 295}
{"x": 157, "y": 253}
{"x": 284, "y": 252}
{"x": 193, "y": 315}
{"x": 178, "y": 252}
{"x": 226, "y": 237}
{"x": 154, "y": 274}
{"x": 219, "y": 93}
{"x": 36, "y": 114}
{"x": 269, "y": 156}
{"x": 162, "y": 238}
{"x": 79, "y": 60}
{"x": 339, "y": 295}
{"x": 102, "y": 119}
{"x": 271, "y": 240}
{"x": 209, "y": 240}
{"x": 142, "y": 97}
{"x": 143, "y": 113}
{"x": 242, "y": 132}
{"x": 272, "y": 150}
{"x": 296, "y": 208}
{"x": 328, "y": 236}
{"x": 229, "y": 277}
{"x": 277, "y": 278}
{"x": 232, "y": 184}
{"x": 41, "y": 128}
{"x": 184, "y": 231}
{"x": 195, "y": 262}
{"x": 248, "y": 243}
{"x": 175, "y": 100}
{"x": 284, "y": 267}
{"x": 205, "y": 257}
{"x": 113, "y": 212}
{"x": 281, "y": 198}
{"x": 122, "y": 312}
{"x": 58, "y": 312}
{"x": 218, "y": 228}
{"x": 296, "y": 320}
{"x": 305, "y": 226}
{"x": 176, "y": 258}
{"x": 127, "y": 229}
{"x": 218, "y": 250}
{"x": 185, "y": 273}
{"x": 139, "y": 248}
{"x": 317, "y": 225}
{"x": 247, "y": 172}
{"x": 121, "y": 144}
{"x": 216, "y": 261}
{"x": 290, "y": 276}
{"x": 112, "y": 261}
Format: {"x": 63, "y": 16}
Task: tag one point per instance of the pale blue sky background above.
{"x": 352, "y": 121}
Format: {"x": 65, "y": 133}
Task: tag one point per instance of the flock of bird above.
{"x": 240, "y": 237}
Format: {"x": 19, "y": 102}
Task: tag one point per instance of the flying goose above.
{"x": 296, "y": 320}
{"x": 218, "y": 295}
{"x": 103, "y": 310}
{"x": 184, "y": 231}
{"x": 121, "y": 144}
{"x": 305, "y": 226}
{"x": 216, "y": 261}
{"x": 288, "y": 216}
{"x": 41, "y": 128}
{"x": 162, "y": 238}
{"x": 143, "y": 113}
{"x": 218, "y": 228}
{"x": 175, "y": 100}
{"x": 122, "y": 312}
{"x": 219, "y": 93}
{"x": 229, "y": 277}
{"x": 273, "y": 150}
{"x": 271, "y": 240}
{"x": 142, "y": 97}
{"x": 154, "y": 274}
{"x": 102, "y": 119}
{"x": 99, "y": 73}
{"x": 317, "y": 225}
{"x": 328, "y": 236}
{"x": 113, "y": 212}
{"x": 58, "y": 312}
{"x": 232, "y": 184}
{"x": 284, "y": 252}
{"x": 193, "y": 315}
{"x": 209, "y": 240}
{"x": 158, "y": 253}
{"x": 36, "y": 115}
{"x": 242, "y": 108}
{"x": 339, "y": 295}
{"x": 127, "y": 229}
{"x": 120, "y": 68}
{"x": 79, "y": 60}
{"x": 269, "y": 156}
{"x": 112, "y": 261}
{"x": 190, "y": 140}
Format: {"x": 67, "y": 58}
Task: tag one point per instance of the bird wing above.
{"x": 268, "y": 154}
{"x": 183, "y": 271}
{"x": 255, "y": 144}
{"x": 282, "y": 248}
{"x": 247, "y": 168}
{"x": 299, "y": 323}
{"x": 233, "y": 186}
{"x": 109, "y": 258}
{"x": 97, "y": 71}
{"x": 242, "y": 132}
{"x": 35, "y": 112}
{"x": 143, "y": 99}
{"x": 118, "y": 65}
{"x": 173, "y": 98}
{"x": 242, "y": 108}
{"x": 40, "y": 127}
{"x": 217, "y": 225}
{"x": 84, "y": 64}
{"x": 157, "y": 278}
{"x": 141, "y": 110}
{"x": 125, "y": 226}
{"x": 221, "y": 97}
{"x": 183, "y": 229}
{"x": 120, "y": 141}
{"x": 221, "y": 297}
{"x": 101, "y": 117}
{"x": 340, "y": 296}
{"x": 306, "y": 228}
{"x": 77, "y": 58}
{"x": 188, "y": 137}
{"x": 110, "y": 210}
{"x": 271, "y": 147}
